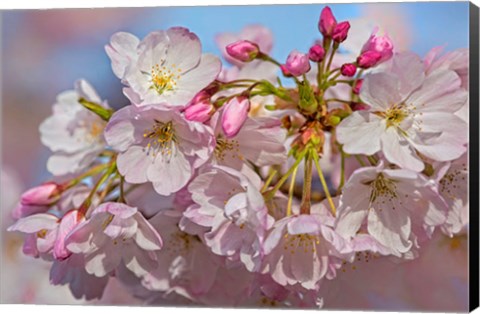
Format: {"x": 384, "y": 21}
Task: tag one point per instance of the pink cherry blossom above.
{"x": 369, "y": 59}
{"x": 46, "y": 233}
{"x": 257, "y": 34}
{"x": 243, "y": 50}
{"x": 185, "y": 265}
{"x": 200, "y": 108}
{"x": 71, "y": 272}
{"x": 37, "y": 200}
{"x": 389, "y": 202}
{"x": 408, "y": 113}
{"x": 327, "y": 22}
{"x": 73, "y": 133}
{"x": 234, "y": 115}
{"x": 115, "y": 233}
{"x": 157, "y": 144}
{"x": 299, "y": 249}
{"x": 340, "y": 32}
{"x": 380, "y": 44}
{"x": 297, "y": 63}
{"x": 457, "y": 60}
{"x": 260, "y": 141}
{"x": 166, "y": 68}
{"x": 452, "y": 181}
{"x": 316, "y": 53}
{"x": 232, "y": 206}
{"x": 348, "y": 69}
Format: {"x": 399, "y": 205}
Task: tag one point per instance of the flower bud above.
{"x": 358, "y": 106}
{"x": 368, "y": 59}
{"x": 348, "y": 69}
{"x": 357, "y": 87}
{"x": 380, "y": 44}
{"x": 243, "y": 50}
{"x": 37, "y": 200}
{"x": 44, "y": 194}
{"x": 327, "y": 22}
{"x": 200, "y": 108}
{"x": 285, "y": 71}
{"x": 234, "y": 115}
{"x": 340, "y": 32}
{"x": 316, "y": 53}
{"x": 297, "y": 63}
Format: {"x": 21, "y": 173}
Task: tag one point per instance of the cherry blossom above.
{"x": 407, "y": 114}
{"x": 156, "y": 144}
{"x": 389, "y": 202}
{"x": 166, "y": 68}
{"x": 73, "y": 133}
{"x": 115, "y": 233}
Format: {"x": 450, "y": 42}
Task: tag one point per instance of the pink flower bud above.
{"x": 380, "y": 44}
{"x": 358, "y": 106}
{"x": 357, "y": 87}
{"x": 348, "y": 69}
{"x": 316, "y": 53}
{"x": 368, "y": 59}
{"x": 243, "y": 50}
{"x": 340, "y": 32}
{"x": 327, "y": 22}
{"x": 297, "y": 63}
{"x": 200, "y": 108}
{"x": 285, "y": 72}
{"x": 44, "y": 194}
{"x": 234, "y": 115}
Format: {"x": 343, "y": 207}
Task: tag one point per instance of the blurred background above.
{"x": 44, "y": 51}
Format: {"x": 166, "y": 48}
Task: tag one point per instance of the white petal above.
{"x": 360, "y": 133}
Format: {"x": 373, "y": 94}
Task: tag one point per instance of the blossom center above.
{"x": 383, "y": 190}
{"x": 395, "y": 116}
{"x": 164, "y": 79}
{"x": 304, "y": 241}
{"x": 224, "y": 146}
{"x": 452, "y": 181}
{"x": 161, "y": 139}
{"x": 181, "y": 243}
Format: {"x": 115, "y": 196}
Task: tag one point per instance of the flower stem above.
{"x": 88, "y": 201}
{"x": 331, "y": 57}
{"x": 282, "y": 180}
{"x": 372, "y": 160}
{"x": 269, "y": 180}
{"x": 307, "y": 185}
{"x": 360, "y": 161}
{"x": 324, "y": 184}
{"x": 290, "y": 191}
{"x": 90, "y": 172}
{"x": 121, "y": 198}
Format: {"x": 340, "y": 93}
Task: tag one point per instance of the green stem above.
{"x": 282, "y": 180}
{"x": 331, "y": 57}
{"x": 88, "y": 201}
{"x": 324, "y": 184}
{"x": 121, "y": 198}
{"x": 269, "y": 180}
{"x": 89, "y": 173}
{"x": 360, "y": 161}
{"x": 372, "y": 160}
{"x": 290, "y": 191}
{"x": 307, "y": 186}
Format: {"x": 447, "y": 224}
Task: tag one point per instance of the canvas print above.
{"x": 280, "y": 156}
